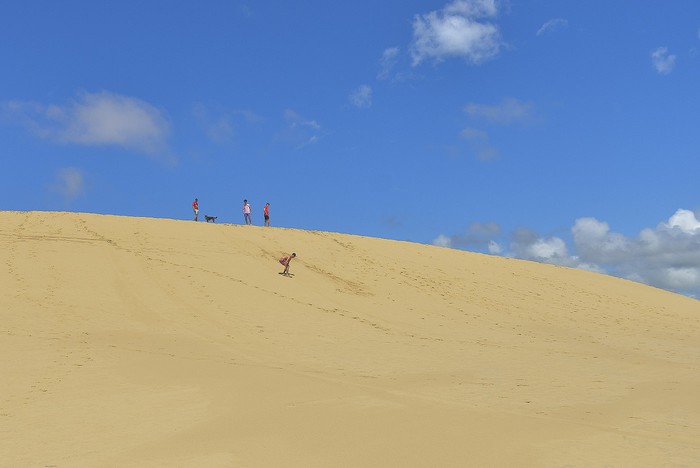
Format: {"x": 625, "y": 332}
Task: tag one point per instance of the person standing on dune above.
{"x": 246, "y": 212}
{"x": 286, "y": 261}
{"x": 195, "y": 208}
{"x": 266, "y": 212}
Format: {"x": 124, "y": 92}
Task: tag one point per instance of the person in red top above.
{"x": 266, "y": 210}
{"x": 195, "y": 208}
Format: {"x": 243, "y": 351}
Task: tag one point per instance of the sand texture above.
{"x": 151, "y": 342}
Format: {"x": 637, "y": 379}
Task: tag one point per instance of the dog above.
{"x": 210, "y": 218}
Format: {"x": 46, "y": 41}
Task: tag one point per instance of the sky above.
{"x": 563, "y": 131}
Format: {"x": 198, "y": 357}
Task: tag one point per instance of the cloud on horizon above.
{"x": 460, "y": 29}
{"x": 94, "y": 119}
{"x": 69, "y": 183}
{"x": 666, "y": 256}
{"x": 477, "y": 235}
{"x": 663, "y": 62}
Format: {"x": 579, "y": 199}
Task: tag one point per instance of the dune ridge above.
{"x": 154, "y": 342}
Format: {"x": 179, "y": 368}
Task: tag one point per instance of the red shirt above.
{"x": 267, "y": 210}
{"x": 195, "y": 205}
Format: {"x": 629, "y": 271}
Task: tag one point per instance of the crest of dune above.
{"x": 152, "y": 342}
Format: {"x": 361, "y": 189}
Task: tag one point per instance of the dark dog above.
{"x": 210, "y": 218}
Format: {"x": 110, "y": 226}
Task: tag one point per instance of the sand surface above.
{"x": 145, "y": 342}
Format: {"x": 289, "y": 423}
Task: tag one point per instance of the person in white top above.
{"x": 246, "y": 212}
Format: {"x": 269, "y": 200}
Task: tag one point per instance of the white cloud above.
{"x": 666, "y": 256}
{"x": 682, "y": 278}
{"x": 595, "y": 242}
{"x": 552, "y": 26}
{"x": 474, "y": 134}
{"x": 95, "y": 119}
{"x": 458, "y": 30}
{"x": 480, "y": 143}
{"x": 528, "y": 245}
{"x": 361, "y": 97}
{"x": 684, "y": 220}
{"x": 663, "y": 61}
{"x": 508, "y": 111}
{"x": 494, "y": 247}
{"x": 295, "y": 120}
{"x": 390, "y": 58}
{"x": 548, "y": 249}
{"x": 442, "y": 241}
{"x": 300, "y": 131}
{"x": 477, "y": 235}
{"x": 69, "y": 183}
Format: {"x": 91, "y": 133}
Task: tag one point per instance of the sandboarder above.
{"x": 286, "y": 261}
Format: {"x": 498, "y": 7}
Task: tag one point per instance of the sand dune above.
{"x": 143, "y": 342}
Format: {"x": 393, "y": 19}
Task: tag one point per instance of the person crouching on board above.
{"x": 286, "y": 261}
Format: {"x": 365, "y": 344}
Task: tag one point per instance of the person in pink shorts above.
{"x": 286, "y": 261}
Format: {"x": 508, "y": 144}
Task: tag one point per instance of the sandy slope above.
{"x": 142, "y": 342}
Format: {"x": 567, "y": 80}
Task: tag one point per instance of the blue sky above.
{"x": 556, "y": 131}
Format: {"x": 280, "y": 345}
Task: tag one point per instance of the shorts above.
{"x": 267, "y": 218}
{"x": 196, "y": 212}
